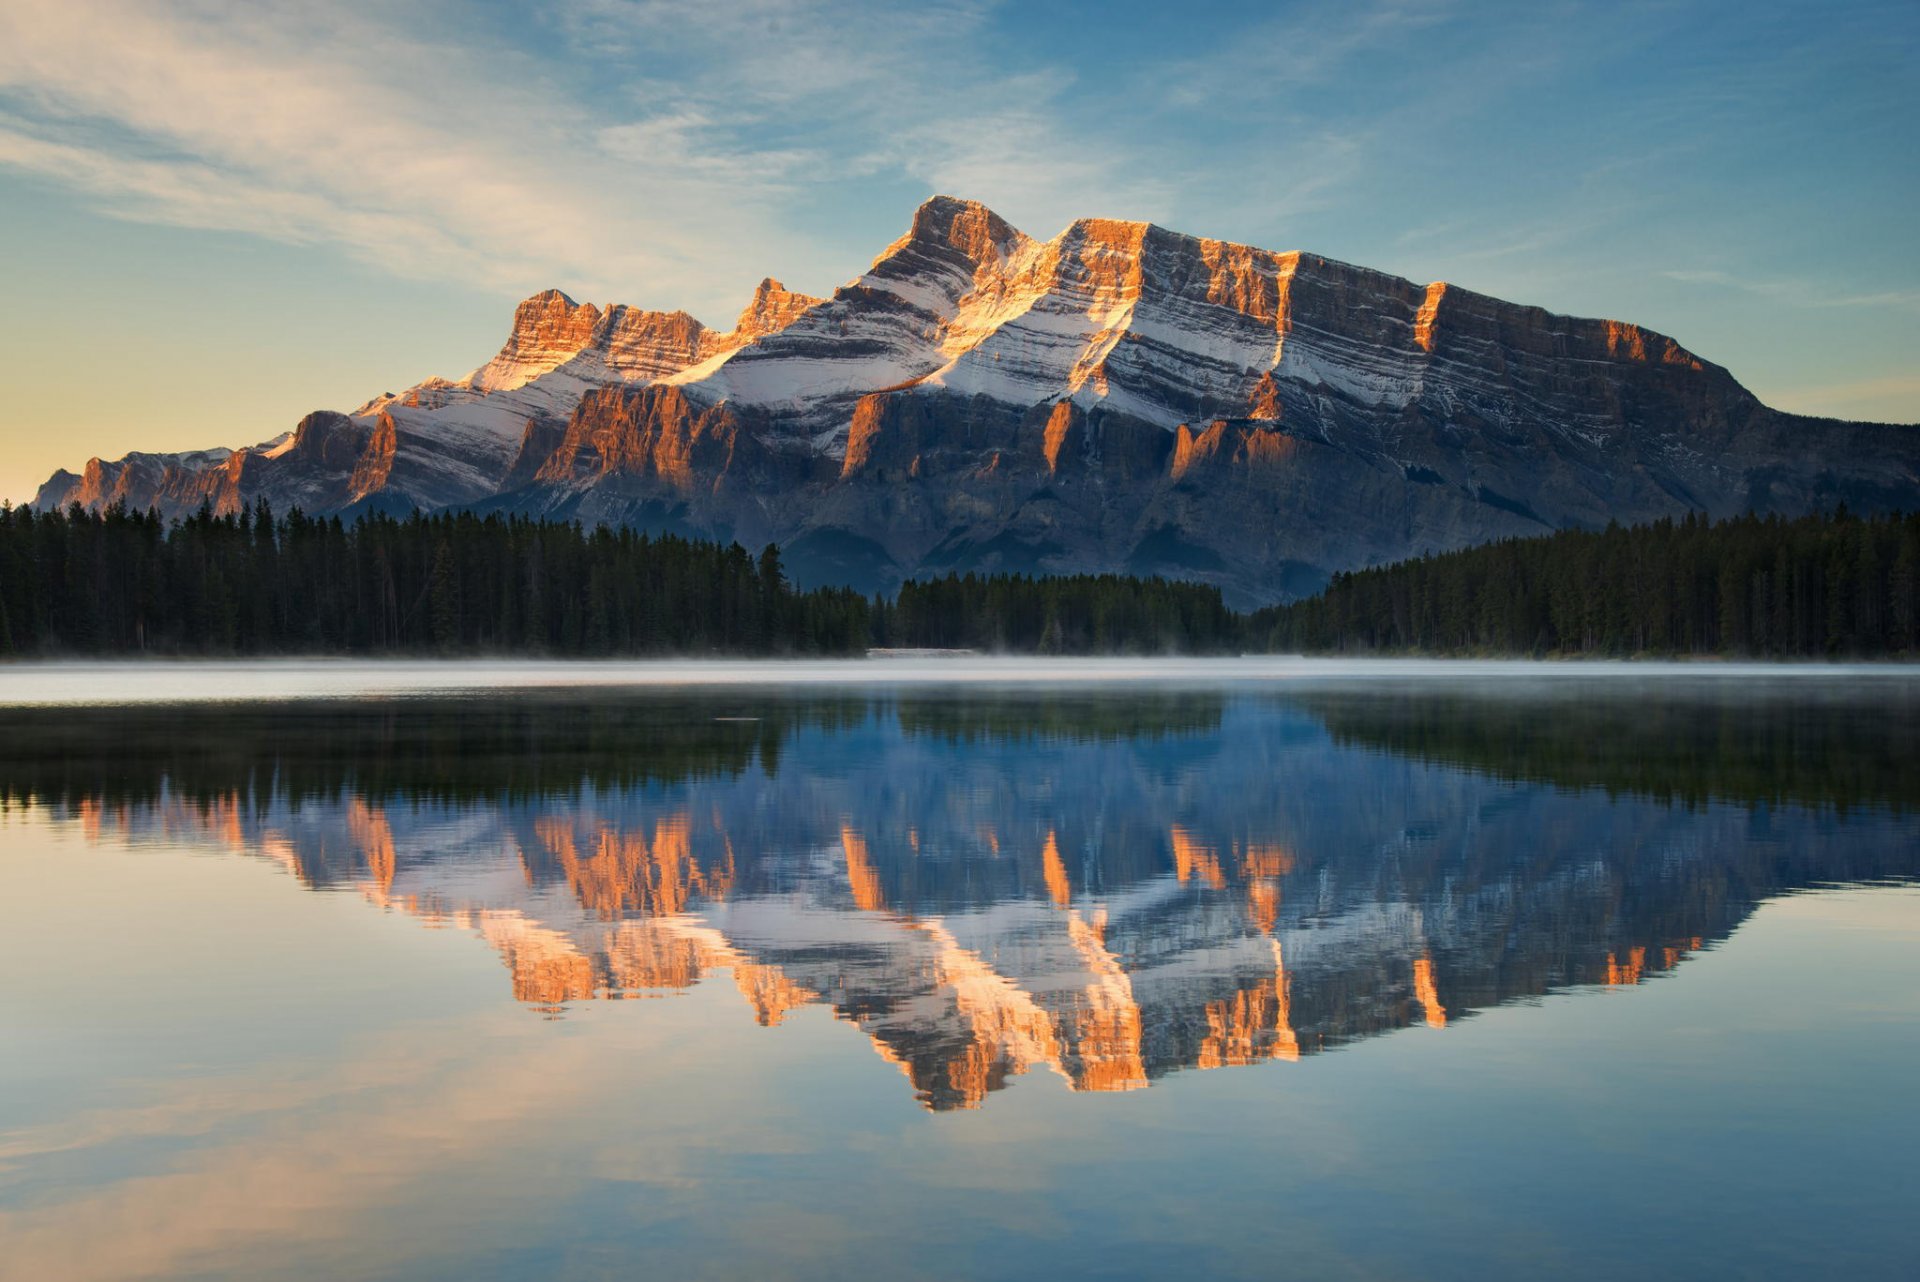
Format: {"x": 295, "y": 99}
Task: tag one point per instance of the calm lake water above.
{"x": 959, "y": 970}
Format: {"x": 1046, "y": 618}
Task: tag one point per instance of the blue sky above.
{"x": 221, "y": 215}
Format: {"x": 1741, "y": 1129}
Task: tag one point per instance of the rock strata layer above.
{"x": 1118, "y": 398}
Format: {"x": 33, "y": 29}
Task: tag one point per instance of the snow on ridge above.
{"x": 1035, "y": 320}
{"x": 1164, "y": 327}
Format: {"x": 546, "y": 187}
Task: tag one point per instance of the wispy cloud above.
{"x": 640, "y": 157}
{"x": 1799, "y": 292}
{"x": 867, "y": 90}
{"x": 669, "y": 154}
{"x": 423, "y": 159}
{"x": 684, "y": 140}
{"x": 1905, "y": 299}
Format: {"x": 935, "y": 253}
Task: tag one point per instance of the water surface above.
{"x": 1351, "y": 971}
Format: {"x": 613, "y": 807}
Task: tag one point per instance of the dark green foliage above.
{"x": 1832, "y": 585}
{"x": 1070, "y": 614}
{"x": 1843, "y": 747}
{"x": 117, "y": 582}
{"x": 517, "y": 746}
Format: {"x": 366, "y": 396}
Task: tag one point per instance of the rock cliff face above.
{"x": 1109, "y": 894}
{"x": 1120, "y": 397}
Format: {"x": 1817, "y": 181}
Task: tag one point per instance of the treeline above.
{"x": 1702, "y": 742}
{"x": 1067, "y": 614}
{"x": 115, "y": 582}
{"x": 81, "y": 583}
{"x": 119, "y": 583}
{"x": 1831, "y": 585}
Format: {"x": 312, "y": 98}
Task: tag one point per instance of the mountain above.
{"x": 1120, "y": 397}
{"x": 1107, "y": 890}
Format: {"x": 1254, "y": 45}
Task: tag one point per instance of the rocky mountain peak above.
{"x": 1121, "y": 396}
{"x": 954, "y": 233}
{"x": 552, "y": 331}
{"x": 966, "y": 225}
{"x": 549, "y": 329}
{"x": 1116, "y": 232}
{"x": 772, "y": 307}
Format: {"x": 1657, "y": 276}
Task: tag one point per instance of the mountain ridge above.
{"x": 1119, "y": 397}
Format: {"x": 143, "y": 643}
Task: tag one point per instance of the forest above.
{"x": 80, "y": 583}
{"x": 1829, "y": 585}
{"x": 118, "y": 582}
{"x": 115, "y": 582}
{"x": 1060, "y": 614}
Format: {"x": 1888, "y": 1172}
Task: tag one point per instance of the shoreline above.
{"x": 96, "y": 682}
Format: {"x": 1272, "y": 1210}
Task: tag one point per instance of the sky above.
{"x": 218, "y": 216}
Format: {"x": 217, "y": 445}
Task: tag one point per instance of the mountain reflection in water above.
{"x": 1109, "y": 886}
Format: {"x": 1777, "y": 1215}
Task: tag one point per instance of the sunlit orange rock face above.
{"x": 1262, "y": 866}
{"x": 771, "y": 993}
{"x": 640, "y": 956}
{"x": 772, "y": 309}
{"x": 1105, "y": 1020}
{"x": 1630, "y": 342}
{"x": 621, "y": 873}
{"x": 1263, "y": 903}
{"x": 861, "y": 878}
{"x": 1427, "y": 993}
{"x": 1212, "y": 954}
{"x": 1673, "y": 954}
{"x": 1254, "y": 1024}
{"x": 1002, "y": 1030}
{"x": 1424, "y": 319}
{"x": 375, "y": 837}
{"x": 552, "y": 967}
{"x": 1241, "y": 449}
{"x": 551, "y": 331}
{"x": 548, "y": 330}
{"x": 650, "y": 433}
{"x": 862, "y": 433}
{"x": 1192, "y": 859}
{"x": 1059, "y": 887}
{"x": 1628, "y": 971}
{"x": 1065, "y": 439}
{"x": 374, "y": 467}
{"x": 1119, "y": 396}
{"x": 1263, "y": 404}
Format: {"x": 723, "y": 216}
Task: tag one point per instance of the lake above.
{"x": 950, "y": 968}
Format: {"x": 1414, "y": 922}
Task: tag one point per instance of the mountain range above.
{"x": 1118, "y": 398}
{"x": 1107, "y": 890}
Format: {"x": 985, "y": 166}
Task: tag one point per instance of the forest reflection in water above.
{"x": 1107, "y": 885}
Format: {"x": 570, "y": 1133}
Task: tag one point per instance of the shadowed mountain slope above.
{"x": 1118, "y": 398}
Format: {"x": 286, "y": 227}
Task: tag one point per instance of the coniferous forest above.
{"x": 1063, "y": 614}
{"x": 1831, "y": 585}
{"x": 78, "y": 583}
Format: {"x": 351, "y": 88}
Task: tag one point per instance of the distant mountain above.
{"x": 1107, "y": 890}
{"x": 1120, "y": 397}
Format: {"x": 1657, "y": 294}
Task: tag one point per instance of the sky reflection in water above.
{"x": 874, "y": 907}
